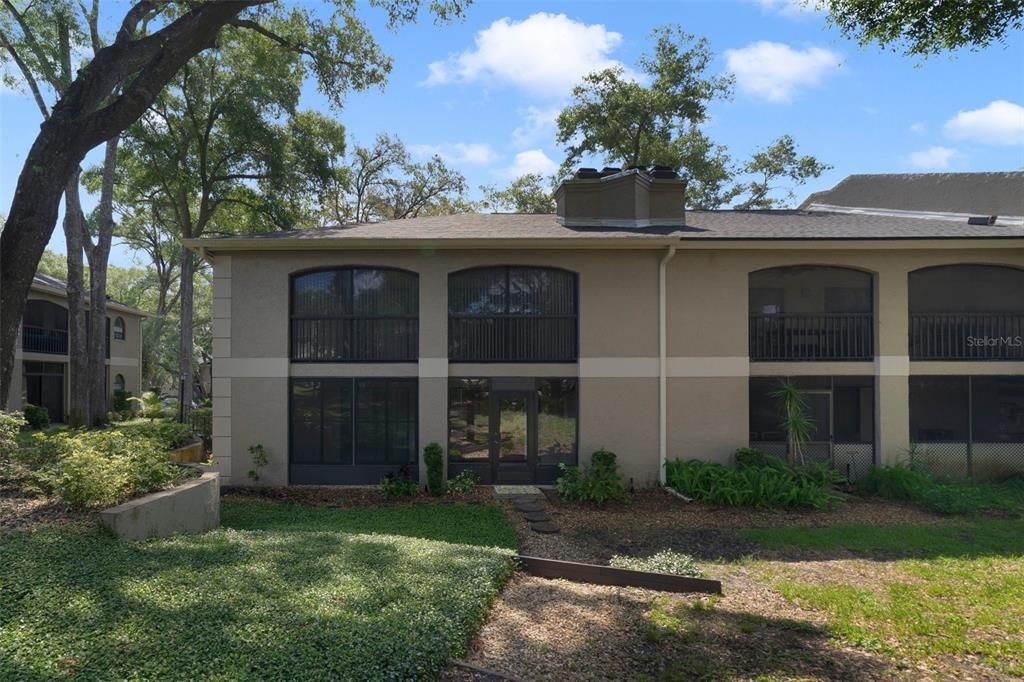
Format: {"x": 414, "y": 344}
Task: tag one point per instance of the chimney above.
{"x": 632, "y": 198}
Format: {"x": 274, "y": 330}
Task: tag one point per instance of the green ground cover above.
{"x": 280, "y": 593}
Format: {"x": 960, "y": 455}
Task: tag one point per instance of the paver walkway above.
{"x": 529, "y": 501}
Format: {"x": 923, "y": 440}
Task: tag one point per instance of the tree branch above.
{"x": 33, "y": 86}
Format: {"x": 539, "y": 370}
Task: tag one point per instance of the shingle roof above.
{"x": 700, "y": 225}
{"x": 1000, "y": 194}
{"x": 48, "y": 282}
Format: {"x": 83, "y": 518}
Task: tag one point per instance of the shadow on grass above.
{"x": 544, "y": 628}
{"x": 237, "y": 605}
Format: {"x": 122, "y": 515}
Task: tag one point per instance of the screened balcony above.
{"x": 44, "y": 328}
{"x": 967, "y": 312}
{"x": 811, "y": 313}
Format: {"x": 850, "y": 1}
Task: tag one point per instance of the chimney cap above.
{"x": 663, "y": 173}
{"x": 587, "y": 173}
{"x": 610, "y": 170}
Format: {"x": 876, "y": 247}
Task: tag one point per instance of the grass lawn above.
{"x": 951, "y": 589}
{"x": 282, "y": 592}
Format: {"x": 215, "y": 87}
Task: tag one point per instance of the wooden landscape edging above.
{"x": 619, "y": 577}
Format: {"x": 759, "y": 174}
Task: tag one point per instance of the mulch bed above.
{"x": 350, "y": 496}
{"x": 21, "y": 512}
{"x": 554, "y": 630}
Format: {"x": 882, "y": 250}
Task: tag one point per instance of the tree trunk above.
{"x": 99, "y": 255}
{"x": 78, "y": 349}
{"x": 80, "y": 121}
{"x": 185, "y": 351}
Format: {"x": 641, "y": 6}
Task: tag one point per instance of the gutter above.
{"x": 662, "y": 365}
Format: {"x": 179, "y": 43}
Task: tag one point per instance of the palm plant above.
{"x": 797, "y": 424}
{"x": 150, "y": 403}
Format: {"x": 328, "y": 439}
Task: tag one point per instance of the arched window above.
{"x": 119, "y": 382}
{"x": 965, "y": 312}
{"x": 811, "y": 312}
{"x": 119, "y": 329}
{"x": 512, "y": 314}
{"x": 355, "y": 315}
{"x": 44, "y": 327}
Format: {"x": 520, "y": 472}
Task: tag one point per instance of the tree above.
{"x": 778, "y": 161}
{"x": 528, "y": 193}
{"x": 633, "y": 124}
{"x": 152, "y": 43}
{"x": 224, "y": 149}
{"x": 928, "y": 27}
{"x": 382, "y": 183}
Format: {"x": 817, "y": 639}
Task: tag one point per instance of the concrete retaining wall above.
{"x": 190, "y": 454}
{"x": 192, "y": 507}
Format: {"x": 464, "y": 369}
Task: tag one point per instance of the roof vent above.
{"x": 982, "y": 220}
{"x": 585, "y": 173}
{"x": 609, "y": 170}
{"x": 663, "y": 173}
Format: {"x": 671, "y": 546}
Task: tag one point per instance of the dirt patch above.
{"x": 350, "y": 496}
{"x": 20, "y": 512}
{"x": 556, "y": 630}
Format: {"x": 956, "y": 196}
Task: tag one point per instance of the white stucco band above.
{"x": 892, "y": 365}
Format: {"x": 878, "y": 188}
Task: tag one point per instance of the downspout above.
{"x": 663, "y": 365}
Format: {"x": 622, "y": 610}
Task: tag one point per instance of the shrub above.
{"x": 433, "y": 455}
{"x": 752, "y": 457}
{"x": 598, "y": 483}
{"x": 37, "y": 417}
{"x": 666, "y": 561}
{"x": 10, "y": 425}
{"x": 749, "y": 485}
{"x": 396, "y": 486}
{"x": 168, "y": 434}
{"x": 260, "y": 459}
{"x": 463, "y": 484}
{"x": 88, "y": 469}
{"x": 901, "y": 482}
{"x": 150, "y": 404}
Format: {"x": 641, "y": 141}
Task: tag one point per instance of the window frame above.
{"x": 120, "y": 329}
{"x": 113, "y": 383}
{"x": 352, "y": 269}
{"x": 352, "y": 472}
{"x": 508, "y": 268}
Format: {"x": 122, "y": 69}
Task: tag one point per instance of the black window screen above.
{"x": 512, "y": 314}
{"x": 353, "y": 421}
{"x": 966, "y": 289}
{"x": 355, "y": 315}
{"x": 45, "y": 315}
{"x": 998, "y": 408}
{"x": 938, "y": 409}
{"x": 847, "y": 403}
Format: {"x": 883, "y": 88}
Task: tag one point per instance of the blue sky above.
{"x": 483, "y": 92}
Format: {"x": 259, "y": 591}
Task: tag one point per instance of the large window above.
{"x": 119, "y": 332}
{"x": 352, "y": 430}
{"x": 44, "y": 327}
{"x": 810, "y": 312}
{"x": 355, "y": 315}
{"x": 967, "y": 312}
{"x": 512, "y": 314}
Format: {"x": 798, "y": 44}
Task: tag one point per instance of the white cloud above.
{"x": 473, "y": 154}
{"x": 919, "y": 128}
{"x": 545, "y": 54}
{"x": 932, "y": 158}
{"x": 531, "y": 161}
{"x": 792, "y": 8}
{"x": 1001, "y": 122}
{"x": 776, "y": 70}
{"x": 537, "y": 124}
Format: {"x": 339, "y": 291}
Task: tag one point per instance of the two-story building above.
{"x": 42, "y": 370}
{"x": 521, "y": 342}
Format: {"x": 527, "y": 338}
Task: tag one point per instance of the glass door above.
{"x": 513, "y": 436}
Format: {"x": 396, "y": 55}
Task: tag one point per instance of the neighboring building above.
{"x": 522, "y": 342}
{"x": 41, "y": 367}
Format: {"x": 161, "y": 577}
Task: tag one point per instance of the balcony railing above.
{"x": 967, "y": 336}
{"x": 512, "y": 338}
{"x": 41, "y": 340}
{"x": 801, "y": 337}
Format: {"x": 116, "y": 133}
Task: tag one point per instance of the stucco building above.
{"x": 42, "y": 372}
{"x": 520, "y": 342}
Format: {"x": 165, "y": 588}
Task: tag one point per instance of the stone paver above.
{"x": 544, "y": 527}
{"x": 534, "y": 517}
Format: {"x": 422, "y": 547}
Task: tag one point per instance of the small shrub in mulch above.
{"x": 665, "y": 561}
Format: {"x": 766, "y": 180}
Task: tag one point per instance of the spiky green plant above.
{"x": 797, "y": 424}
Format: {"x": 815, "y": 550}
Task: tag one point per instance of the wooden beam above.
{"x": 620, "y": 577}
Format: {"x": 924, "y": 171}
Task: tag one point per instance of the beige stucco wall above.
{"x": 125, "y": 356}
{"x": 707, "y": 346}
